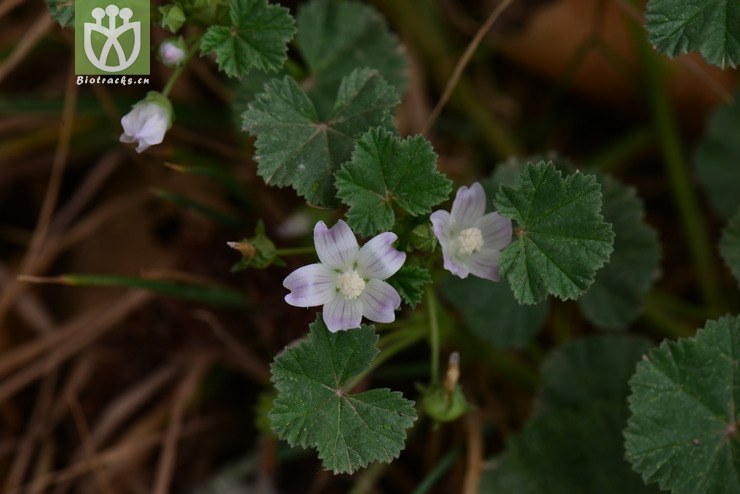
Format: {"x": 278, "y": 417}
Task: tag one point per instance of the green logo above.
{"x": 112, "y": 37}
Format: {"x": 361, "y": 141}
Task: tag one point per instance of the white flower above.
{"x": 172, "y": 52}
{"x": 148, "y": 121}
{"x": 471, "y": 240}
{"x": 348, "y": 281}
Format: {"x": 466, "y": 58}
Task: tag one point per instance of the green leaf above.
{"x": 62, "y": 11}
{"x": 295, "y": 148}
{"x": 172, "y": 17}
{"x": 711, "y": 27}
{"x": 258, "y": 37}
{"x": 716, "y": 160}
{"x": 683, "y": 432}
{"x": 729, "y": 245}
{"x": 590, "y": 370}
{"x": 561, "y": 238}
{"x": 409, "y": 282}
{"x": 385, "y": 171}
{"x": 336, "y": 37}
{"x": 490, "y": 311}
{"x": 312, "y": 408}
{"x": 615, "y": 298}
{"x": 574, "y": 444}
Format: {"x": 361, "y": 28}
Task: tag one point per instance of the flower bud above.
{"x": 148, "y": 121}
{"x": 172, "y": 52}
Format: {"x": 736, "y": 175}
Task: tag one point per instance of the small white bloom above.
{"x": 348, "y": 281}
{"x": 147, "y": 122}
{"x": 172, "y": 52}
{"x": 471, "y": 240}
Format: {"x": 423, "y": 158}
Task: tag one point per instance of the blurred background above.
{"x": 122, "y": 390}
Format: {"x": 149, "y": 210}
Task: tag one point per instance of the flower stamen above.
{"x": 350, "y": 285}
{"x": 469, "y": 241}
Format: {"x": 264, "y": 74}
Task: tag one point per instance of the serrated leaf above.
{"x": 716, "y": 161}
{"x": 312, "y": 408}
{"x": 62, "y": 11}
{"x": 336, "y": 37}
{"x": 561, "y": 238}
{"x": 711, "y": 27}
{"x": 729, "y": 245}
{"x": 683, "y": 432}
{"x": 490, "y": 311}
{"x": 615, "y": 298}
{"x": 258, "y": 37}
{"x": 409, "y": 282}
{"x": 295, "y": 148}
{"x": 574, "y": 444}
{"x": 385, "y": 171}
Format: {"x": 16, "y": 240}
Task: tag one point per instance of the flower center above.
{"x": 469, "y": 241}
{"x": 350, "y": 284}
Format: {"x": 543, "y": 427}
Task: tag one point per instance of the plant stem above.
{"x": 695, "y": 230}
{"x": 295, "y": 251}
{"x": 433, "y": 334}
{"x": 440, "y": 468}
{"x": 176, "y": 74}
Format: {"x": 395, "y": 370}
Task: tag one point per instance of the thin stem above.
{"x": 463, "y": 62}
{"x": 176, "y": 74}
{"x": 433, "y": 334}
{"x": 295, "y": 251}
{"x": 440, "y": 468}
{"x": 694, "y": 229}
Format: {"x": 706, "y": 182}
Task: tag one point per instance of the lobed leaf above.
{"x": 561, "y": 238}
{"x": 313, "y": 409}
{"x": 573, "y": 445}
{"x": 409, "y": 282}
{"x": 336, "y": 37}
{"x": 295, "y": 148}
{"x": 711, "y": 27}
{"x": 385, "y": 171}
{"x": 257, "y": 38}
{"x": 683, "y": 432}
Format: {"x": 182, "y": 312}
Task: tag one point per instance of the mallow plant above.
{"x": 407, "y": 256}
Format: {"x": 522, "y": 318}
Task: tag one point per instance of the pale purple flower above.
{"x": 148, "y": 121}
{"x": 471, "y": 240}
{"x": 348, "y": 281}
{"x": 172, "y": 52}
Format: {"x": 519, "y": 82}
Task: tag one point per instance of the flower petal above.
{"x": 336, "y": 246}
{"x": 378, "y": 259}
{"x": 341, "y": 314}
{"x": 441, "y": 225}
{"x": 468, "y": 206}
{"x": 311, "y": 285}
{"x": 454, "y": 264}
{"x": 484, "y": 264}
{"x": 496, "y": 231}
{"x": 379, "y": 301}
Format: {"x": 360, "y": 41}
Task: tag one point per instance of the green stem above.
{"x": 694, "y": 229}
{"x": 391, "y": 345}
{"x": 439, "y": 469}
{"x": 296, "y": 251}
{"x": 176, "y": 74}
{"x": 433, "y": 334}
